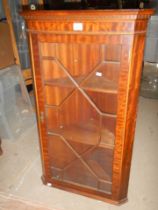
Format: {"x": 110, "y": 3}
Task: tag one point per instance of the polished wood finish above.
{"x": 86, "y": 87}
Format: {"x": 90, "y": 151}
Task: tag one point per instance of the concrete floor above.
{"x": 20, "y": 170}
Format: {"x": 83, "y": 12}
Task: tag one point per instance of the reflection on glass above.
{"x": 81, "y": 111}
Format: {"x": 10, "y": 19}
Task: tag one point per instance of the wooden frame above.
{"x": 124, "y": 28}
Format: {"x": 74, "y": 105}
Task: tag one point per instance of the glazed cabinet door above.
{"x": 80, "y": 83}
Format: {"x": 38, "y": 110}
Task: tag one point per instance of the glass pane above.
{"x": 106, "y": 102}
{"x": 56, "y": 81}
{"x": 112, "y": 52}
{"x": 103, "y": 79}
{"x": 82, "y": 125}
{"x": 60, "y": 153}
{"x": 80, "y": 86}
{"x": 101, "y": 86}
{"x": 78, "y": 59}
{"x": 108, "y": 132}
{"x": 59, "y": 93}
{"x": 100, "y": 161}
{"x": 86, "y": 58}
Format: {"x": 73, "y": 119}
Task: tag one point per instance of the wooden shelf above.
{"x": 100, "y": 84}
{"x": 95, "y": 83}
{"x": 63, "y": 82}
{"x": 86, "y": 134}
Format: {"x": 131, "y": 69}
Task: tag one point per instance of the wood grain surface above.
{"x": 86, "y": 87}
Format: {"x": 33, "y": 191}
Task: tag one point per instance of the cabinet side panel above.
{"x": 121, "y": 121}
{"x": 134, "y": 84}
{"x": 127, "y": 112}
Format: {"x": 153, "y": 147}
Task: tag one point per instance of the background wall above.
{"x": 20, "y": 33}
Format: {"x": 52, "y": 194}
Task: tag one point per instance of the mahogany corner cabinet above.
{"x": 87, "y": 69}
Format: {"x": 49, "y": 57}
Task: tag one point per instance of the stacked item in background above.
{"x": 16, "y": 112}
{"x": 20, "y": 34}
{"x": 149, "y": 85}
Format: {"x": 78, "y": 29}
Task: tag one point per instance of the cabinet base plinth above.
{"x": 77, "y": 190}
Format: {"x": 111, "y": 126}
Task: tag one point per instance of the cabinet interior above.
{"x": 80, "y": 83}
